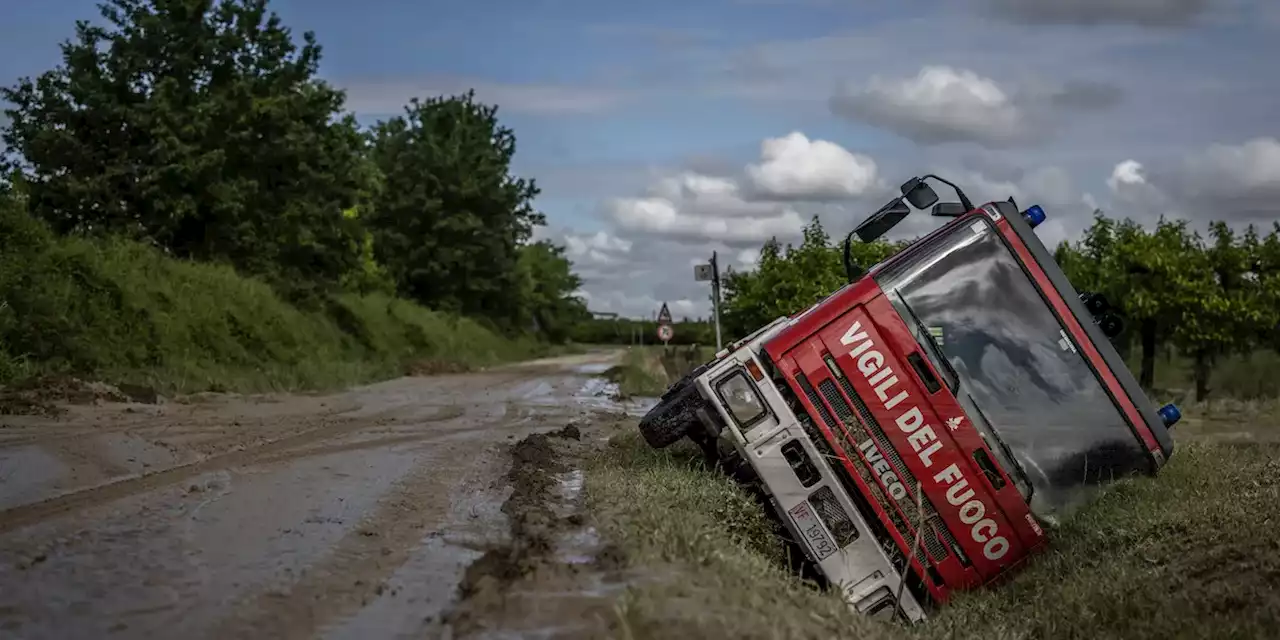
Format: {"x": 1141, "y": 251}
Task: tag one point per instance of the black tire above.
{"x": 673, "y": 418}
{"x": 684, "y": 382}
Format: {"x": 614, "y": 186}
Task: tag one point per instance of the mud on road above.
{"x": 415, "y": 508}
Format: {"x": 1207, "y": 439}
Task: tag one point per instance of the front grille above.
{"x": 896, "y": 557}
{"x": 937, "y": 538}
{"x": 833, "y": 515}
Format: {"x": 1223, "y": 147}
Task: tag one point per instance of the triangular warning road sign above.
{"x": 664, "y": 316}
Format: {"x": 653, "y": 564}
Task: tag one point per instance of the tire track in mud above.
{"x": 356, "y": 569}
{"x": 525, "y": 587}
{"x": 274, "y": 451}
{"x": 191, "y": 423}
{"x": 333, "y": 585}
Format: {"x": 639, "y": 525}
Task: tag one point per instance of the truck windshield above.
{"x": 1042, "y": 410}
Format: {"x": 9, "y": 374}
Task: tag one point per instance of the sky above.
{"x": 660, "y": 132}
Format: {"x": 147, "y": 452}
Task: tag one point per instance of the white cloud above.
{"x": 664, "y": 217}
{"x": 1250, "y": 170}
{"x": 943, "y": 104}
{"x": 654, "y": 270}
{"x": 795, "y": 167}
{"x": 713, "y": 196}
{"x": 596, "y": 249}
{"x": 695, "y": 208}
{"x": 1237, "y": 183}
{"x": 1126, "y": 174}
{"x": 940, "y": 104}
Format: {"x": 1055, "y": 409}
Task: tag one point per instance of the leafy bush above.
{"x": 125, "y": 310}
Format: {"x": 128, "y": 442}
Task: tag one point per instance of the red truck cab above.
{"x": 961, "y": 392}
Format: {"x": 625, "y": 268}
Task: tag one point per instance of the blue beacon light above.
{"x": 1034, "y": 215}
{"x": 1170, "y": 414}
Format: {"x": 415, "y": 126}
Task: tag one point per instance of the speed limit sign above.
{"x": 665, "y": 332}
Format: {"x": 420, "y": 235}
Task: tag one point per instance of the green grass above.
{"x": 1240, "y": 377}
{"x": 124, "y": 312}
{"x": 643, "y": 373}
{"x": 710, "y": 565}
{"x": 1190, "y": 554}
{"x": 640, "y": 373}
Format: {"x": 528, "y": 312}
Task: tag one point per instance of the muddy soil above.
{"x": 554, "y": 577}
{"x": 417, "y": 507}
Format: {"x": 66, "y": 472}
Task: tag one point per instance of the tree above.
{"x": 1267, "y": 268}
{"x": 450, "y": 219}
{"x": 786, "y": 281}
{"x": 197, "y": 125}
{"x": 548, "y": 290}
{"x": 1142, "y": 274}
{"x": 1228, "y": 310}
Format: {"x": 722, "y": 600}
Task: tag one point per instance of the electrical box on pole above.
{"x": 711, "y": 272}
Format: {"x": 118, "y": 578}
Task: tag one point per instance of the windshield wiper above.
{"x": 940, "y": 360}
{"x": 926, "y": 339}
{"x": 1004, "y": 446}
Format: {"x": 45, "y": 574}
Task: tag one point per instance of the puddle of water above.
{"x": 136, "y": 454}
{"x": 593, "y": 368}
{"x": 424, "y": 586}
{"x": 537, "y": 391}
{"x": 570, "y": 485}
{"x": 578, "y": 546}
{"x": 597, "y": 387}
{"x": 414, "y": 595}
{"x": 643, "y": 405}
{"x": 26, "y": 473}
{"x": 599, "y": 393}
{"x": 578, "y": 602}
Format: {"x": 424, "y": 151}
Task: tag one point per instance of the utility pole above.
{"x": 711, "y": 272}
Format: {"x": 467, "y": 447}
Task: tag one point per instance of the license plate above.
{"x": 812, "y": 531}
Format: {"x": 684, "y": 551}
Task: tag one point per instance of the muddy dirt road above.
{"x": 344, "y": 515}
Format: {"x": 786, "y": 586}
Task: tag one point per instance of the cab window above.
{"x": 741, "y": 399}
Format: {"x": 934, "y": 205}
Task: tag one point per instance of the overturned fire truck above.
{"x": 917, "y": 430}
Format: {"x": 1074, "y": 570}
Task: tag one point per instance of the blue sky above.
{"x": 661, "y": 131}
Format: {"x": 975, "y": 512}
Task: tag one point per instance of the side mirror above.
{"x": 919, "y": 193}
{"x": 949, "y": 210}
{"x": 882, "y": 221}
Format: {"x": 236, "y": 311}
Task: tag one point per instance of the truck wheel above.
{"x": 684, "y": 382}
{"x": 672, "y": 418}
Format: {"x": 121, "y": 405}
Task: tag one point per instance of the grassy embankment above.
{"x": 1192, "y": 553}
{"x": 123, "y": 312}
{"x": 642, "y": 371}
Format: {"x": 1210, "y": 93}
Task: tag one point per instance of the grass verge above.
{"x": 124, "y": 312}
{"x": 640, "y": 373}
{"x": 1189, "y": 554}
{"x": 647, "y": 371}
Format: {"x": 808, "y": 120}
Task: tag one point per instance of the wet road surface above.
{"x": 348, "y": 515}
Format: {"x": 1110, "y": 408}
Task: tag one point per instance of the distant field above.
{"x": 1190, "y": 554}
